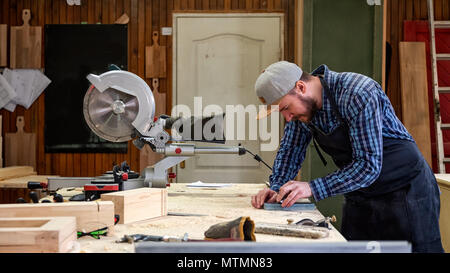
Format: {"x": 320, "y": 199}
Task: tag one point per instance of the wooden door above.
{"x": 217, "y": 58}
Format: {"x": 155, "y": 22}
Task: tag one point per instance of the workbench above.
{"x": 218, "y": 205}
{"x": 444, "y": 220}
{"x": 11, "y": 189}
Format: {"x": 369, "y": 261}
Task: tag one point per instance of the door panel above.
{"x": 218, "y": 57}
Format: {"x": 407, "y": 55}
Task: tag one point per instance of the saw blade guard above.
{"x": 119, "y": 86}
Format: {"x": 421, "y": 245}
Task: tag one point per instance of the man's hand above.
{"x": 292, "y": 191}
{"x": 264, "y": 196}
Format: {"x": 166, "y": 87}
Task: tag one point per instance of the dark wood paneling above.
{"x": 145, "y": 16}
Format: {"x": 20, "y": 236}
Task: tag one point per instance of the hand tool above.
{"x": 294, "y": 207}
{"x": 58, "y": 198}
{"x": 141, "y": 237}
{"x": 95, "y": 234}
{"x": 154, "y": 238}
{"x": 34, "y": 197}
{"x": 320, "y": 223}
{"x": 184, "y": 214}
{"x": 309, "y": 232}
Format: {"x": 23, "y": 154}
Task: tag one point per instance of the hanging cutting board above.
{"x": 155, "y": 59}
{"x": 26, "y": 41}
{"x": 20, "y": 147}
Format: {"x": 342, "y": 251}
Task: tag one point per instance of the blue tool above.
{"x": 294, "y": 207}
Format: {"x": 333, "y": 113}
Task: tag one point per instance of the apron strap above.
{"x": 335, "y": 111}
{"x": 319, "y": 153}
{"x": 334, "y": 106}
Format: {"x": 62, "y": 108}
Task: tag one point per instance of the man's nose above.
{"x": 287, "y": 116}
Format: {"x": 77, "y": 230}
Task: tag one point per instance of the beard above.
{"x": 311, "y": 108}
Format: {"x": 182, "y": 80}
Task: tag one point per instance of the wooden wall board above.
{"x": 10, "y": 195}
{"x": 90, "y": 215}
{"x": 138, "y": 204}
{"x": 3, "y": 44}
{"x": 34, "y": 234}
{"x": 414, "y": 88}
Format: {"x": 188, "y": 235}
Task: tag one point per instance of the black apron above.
{"x": 402, "y": 204}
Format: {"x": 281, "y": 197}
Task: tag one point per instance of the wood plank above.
{"x": 414, "y": 89}
{"x": 16, "y": 171}
{"x": 22, "y": 182}
{"x": 443, "y": 181}
{"x": 139, "y": 204}
{"x": 37, "y": 234}
{"x": 90, "y": 215}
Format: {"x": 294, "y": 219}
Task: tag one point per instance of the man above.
{"x": 390, "y": 190}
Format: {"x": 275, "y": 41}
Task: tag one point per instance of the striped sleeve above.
{"x": 365, "y": 129}
{"x": 291, "y": 154}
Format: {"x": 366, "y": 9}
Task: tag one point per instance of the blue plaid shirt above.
{"x": 370, "y": 116}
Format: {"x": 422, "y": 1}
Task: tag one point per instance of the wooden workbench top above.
{"x": 443, "y": 179}
{"x": 218, "y": 205}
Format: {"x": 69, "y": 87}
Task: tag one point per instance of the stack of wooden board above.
{"x": 13, "y": 183}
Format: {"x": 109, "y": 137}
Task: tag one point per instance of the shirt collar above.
{"x": 324, "y": 70}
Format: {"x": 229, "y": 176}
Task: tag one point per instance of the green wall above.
{"x": 346, "y": 35}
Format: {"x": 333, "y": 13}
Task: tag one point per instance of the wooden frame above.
{"x": 90, "y": 215}
{"x": 47, "y": 234}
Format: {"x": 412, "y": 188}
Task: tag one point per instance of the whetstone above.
{"x": 294, "y": 207}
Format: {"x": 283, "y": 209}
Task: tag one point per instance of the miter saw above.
{"x": 119, "y": 106}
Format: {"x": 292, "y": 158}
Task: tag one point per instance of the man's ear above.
{"x": 300, "y": 87}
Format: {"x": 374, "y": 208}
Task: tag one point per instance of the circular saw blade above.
{"x": 110, "y": 113}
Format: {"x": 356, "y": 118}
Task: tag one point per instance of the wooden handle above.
{"x": 26, "y": 15}
{"x": 155, "y": 84}
{"x": 155, "y": 38}
{"x": 20, "y": 123}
